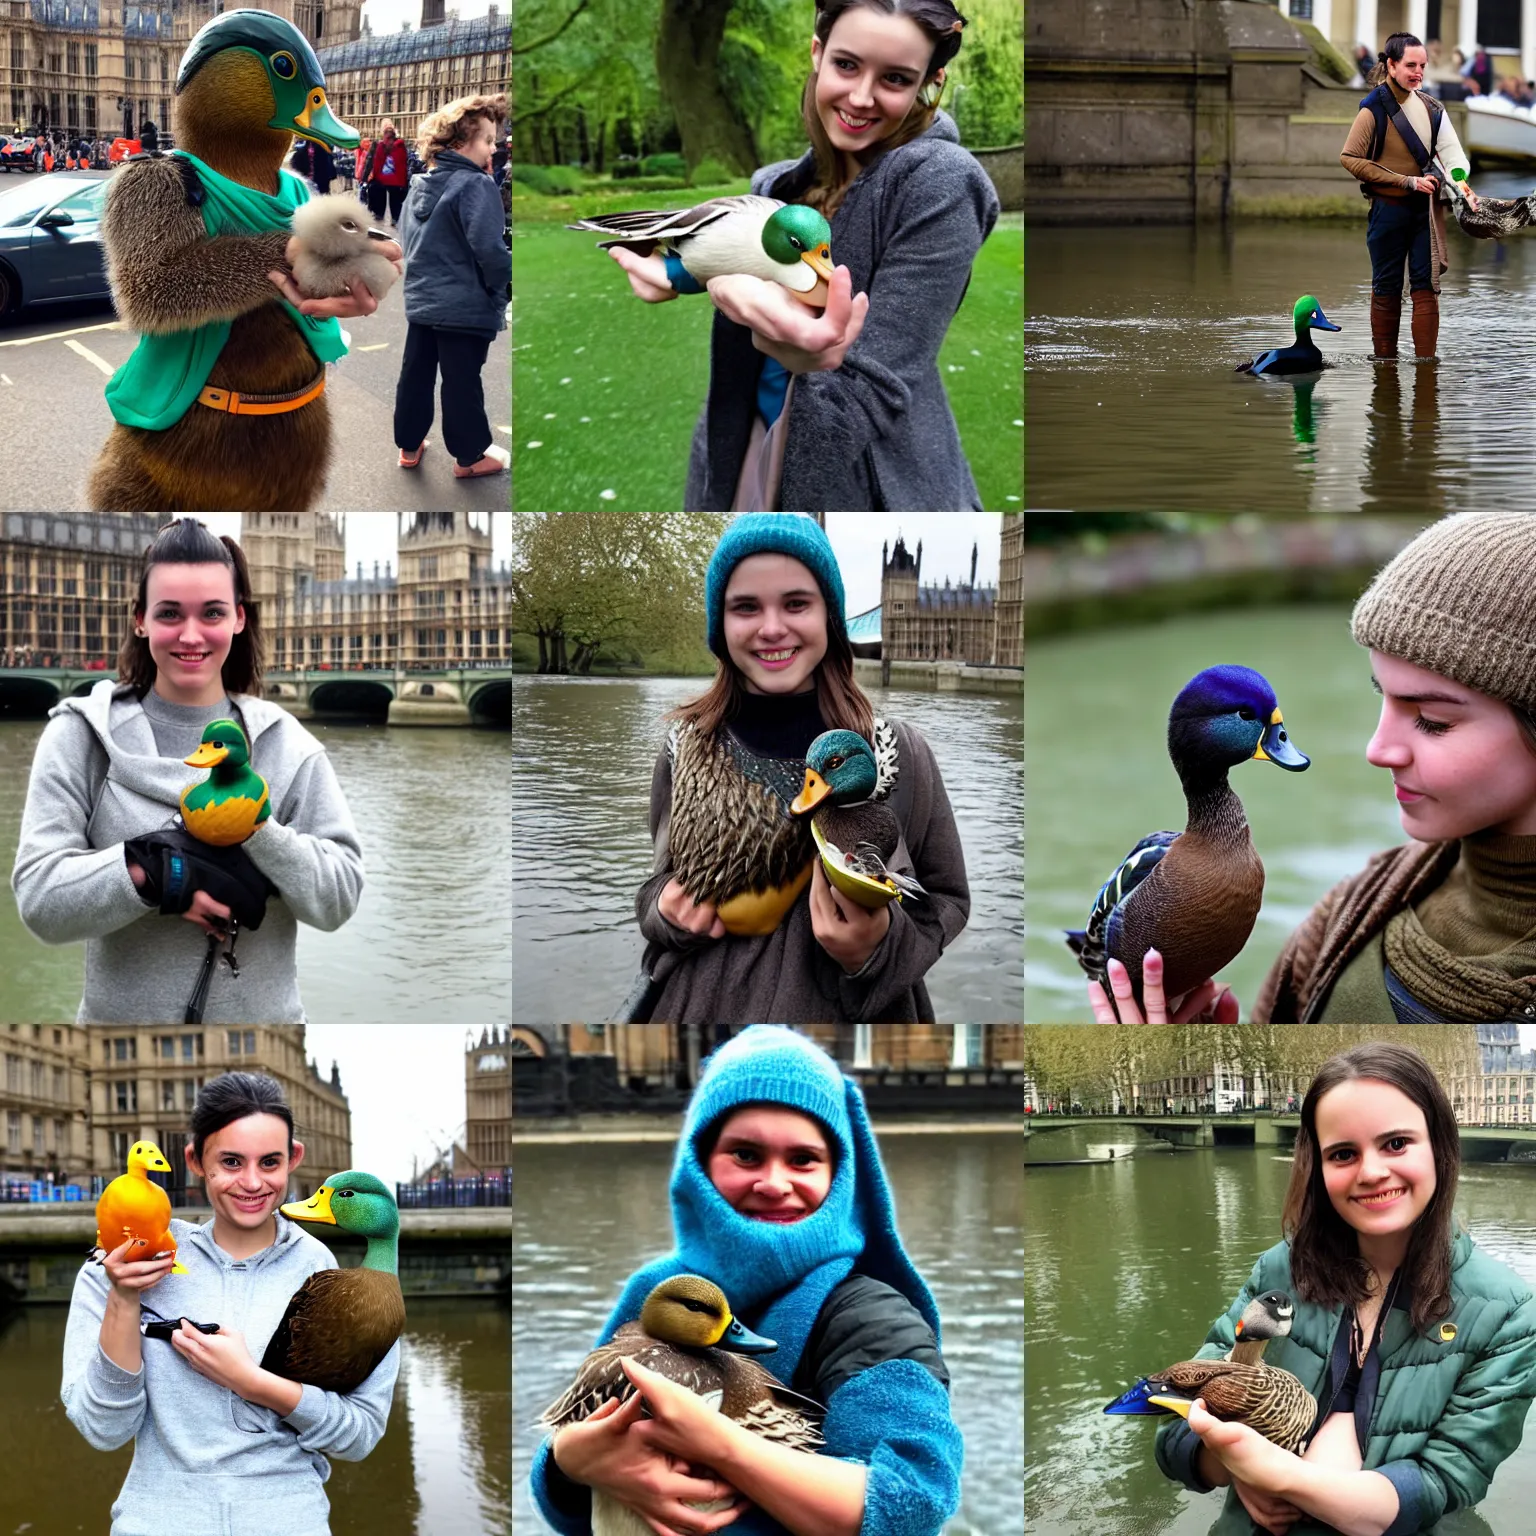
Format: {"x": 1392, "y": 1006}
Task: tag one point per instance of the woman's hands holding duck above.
{"x": 1259, "y": 1469}
{"x": 357, "y": 300}
{"x": 848, "y": 932}
{"x": 1209, "y": 1003}
{"x": 682, "y": 911}
{"x": 786, "y": 329}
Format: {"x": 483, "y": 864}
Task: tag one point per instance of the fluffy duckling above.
{"x": 339, "y": 249}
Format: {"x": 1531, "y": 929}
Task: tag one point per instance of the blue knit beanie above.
{"x": 779, "y": 533}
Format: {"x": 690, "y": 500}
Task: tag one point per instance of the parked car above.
{"x": 50, "y": 241}
{"x": 16, "y": 153}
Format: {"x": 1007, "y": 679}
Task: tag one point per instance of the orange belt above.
{"x": 260, "y": 405}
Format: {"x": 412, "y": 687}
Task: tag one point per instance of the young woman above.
{"x": 1443, "y": 928}
{"x": 1400, "y": 148}
{"x": 848, "y": 411}
{"x": 719, "y": 812}
{"x": 779, "y": 1196}
{"x": 455, "y": 286}
{"x": 220, "y": 1446}
{"x": 1419, "y": 1348}
{"x": 110, "y": 769}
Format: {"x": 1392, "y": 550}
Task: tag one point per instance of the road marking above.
{"x": 377, "y": 346}
{"x": 79, "y": 330}
{"x": 5, "y": 378}
{"x": 91, "y": 357}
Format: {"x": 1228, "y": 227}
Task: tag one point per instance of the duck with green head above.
{"x": 342, "y": 1322}
{"x": 1305, "y": 356}
{"x": 856, "y": 834}
{"x": 233, "y": 800}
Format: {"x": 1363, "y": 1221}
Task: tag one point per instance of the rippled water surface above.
{"x": 1126, "y": 1266}
{"x": 1132, "y": 400}
{"x": 586, "y": 749}
{"x": 587, "y": 1216}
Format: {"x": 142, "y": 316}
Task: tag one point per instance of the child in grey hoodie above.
{"x": 220, "y": 1447}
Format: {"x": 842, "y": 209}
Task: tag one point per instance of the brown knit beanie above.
{"x": 1461, "y": 601}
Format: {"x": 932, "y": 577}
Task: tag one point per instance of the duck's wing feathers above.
{"x": 337, "y": 1327}
{"x": 646, "y": 224}
{"x": 1495, "y": 217}
{"x": 1092, "y": 944}
{"x": 1260, "y": 363}
{"x": 601, "y": 1377}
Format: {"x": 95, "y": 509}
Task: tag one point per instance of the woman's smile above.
{"x": 1380, "y": 1197}
{"x": 855, "y": 124}
{"x": 776, "y": 660}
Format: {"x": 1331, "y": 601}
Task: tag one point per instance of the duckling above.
{"x": 789, "y": 244}
{"x": 233, "y": 800}
{"x": 1305, "y": 356}
{"x": 1240, "y": 1388}
{"x": 855, "y": 833}
{"x": 339, "y": 249}
{"x": 131, "y": 1206}
{"x": 341, "y": 1322}
{"x": 222, "y": 403}
{"x": 1194, "y": 895}
{"x": 687, "y": 1333}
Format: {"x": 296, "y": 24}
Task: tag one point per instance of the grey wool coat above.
{"x": 786, "y": 977}
{"x": 876, "y": 434}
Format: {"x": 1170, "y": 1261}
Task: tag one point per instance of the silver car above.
{"x": 50, "y": 241}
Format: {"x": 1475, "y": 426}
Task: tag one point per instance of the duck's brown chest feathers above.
{"x": 338, "y": 1326}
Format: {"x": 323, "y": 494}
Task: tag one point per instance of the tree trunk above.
{"x": 687, "y": 58}
{"x": 543, "y": 650}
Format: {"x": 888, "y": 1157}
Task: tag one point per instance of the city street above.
{"x": 55, "y": 362}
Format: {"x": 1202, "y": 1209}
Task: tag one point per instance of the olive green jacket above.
{"x": 1447, "y": 1411}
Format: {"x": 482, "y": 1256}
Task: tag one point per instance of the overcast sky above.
{"x": 405, "y": 1083}
{"x": 946, "y": 536}
{"x": 386, "y": 15}
{"x": 371, "y": 536}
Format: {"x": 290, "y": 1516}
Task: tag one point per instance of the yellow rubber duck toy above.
{"x": 232, "y": 801}
{"x": 130, "y": 1206}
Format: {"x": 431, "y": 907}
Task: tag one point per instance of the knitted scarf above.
{"x": 158, "y": 384}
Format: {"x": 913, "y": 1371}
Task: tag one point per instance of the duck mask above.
{"x": 293, "y": 72}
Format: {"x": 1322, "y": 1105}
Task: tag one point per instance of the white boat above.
{"x": 1499, "y": 130}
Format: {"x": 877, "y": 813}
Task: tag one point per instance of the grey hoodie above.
{"x": 98, "y": 780}
{"x": 876, "y": 434}
{"x": 205, "y": 1461}
{"x": 457, "y": 265}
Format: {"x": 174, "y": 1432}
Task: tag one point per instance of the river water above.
{"x": 1099, "y": 776}
{"x": 1132, "y": 402}
{"x": 586, "y": 749}
{"x": 432, "y": 936}
{"x": 587, "y": 1216}
{"x": 442, "y": 1468}
{"x": 1127, "y": 1265}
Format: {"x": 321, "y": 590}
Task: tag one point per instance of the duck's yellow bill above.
{"x": 872, "y": 894}
{"x": 1178, "y": 1405}
{"x": 209, "y": 755}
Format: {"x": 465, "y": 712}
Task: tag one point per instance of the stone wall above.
{"x": 1006, "y": 168}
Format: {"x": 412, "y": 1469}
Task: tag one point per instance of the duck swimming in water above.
{"x": 1304, "y": 357}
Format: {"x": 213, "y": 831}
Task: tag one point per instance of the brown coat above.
{"x": 1342, "y": 924}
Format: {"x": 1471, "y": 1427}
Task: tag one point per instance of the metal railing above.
{"x": 492, "y": 1188}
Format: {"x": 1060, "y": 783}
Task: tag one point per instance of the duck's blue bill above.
{"x": 1137, "y": 1401}
{"x": 740, "y": 1340}
{"x": 1275, "y": 745}
{"x": 1321, "y": 322}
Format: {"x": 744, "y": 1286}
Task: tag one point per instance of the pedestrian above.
{"x": 1420, "y": 1346}
{"x": 149, "y": 137}
{"x": 457, "y": 275}
{"x": 218, "y": 1442}
{"x": 779, "y": 1196}
{"x": 389, "y": 173}
{"x": 1443, "y": 928}
{"x": 786, "y": 425}
{"x": 302, "y": 158}
{"x": 361, "y": 162}
{"x": 1480, "y": 71}
{"x": 1401, "y": 147}
{"x": 798, "y": 949}
{"x": 110, "y": 769}
{"x": 322, "y": 169}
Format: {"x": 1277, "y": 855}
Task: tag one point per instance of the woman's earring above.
{"x": 930, "y": 93}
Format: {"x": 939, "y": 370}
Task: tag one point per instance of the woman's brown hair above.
{"x": 1326, "y": 1265}
{"x": 190, "y": 542}
{"x": 454, "y": 124}
{"x": 1394, "y": 48}
{"x": 943, "y": 25}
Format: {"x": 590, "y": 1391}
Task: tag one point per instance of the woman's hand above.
{"x": 848, "y": 932}
{"x": 647, "y": 275}
{"x": 1267, "y": 1510}
{"x": 682, "y": 911}
{"x": 1470, "y": 195}
{"x": 357, "y": 300}
{"x": 606, "y": 1451}
{"x": 213, "y": 917}
{"x": 128, "y": 1277}
{"x": 1259, "y": 1468}
{"x": 681, "y": 1423}
{"x": 222, "y": 1357}
{"x": 1206, "y": 1004}
{"x": 785, "y": 328}
{"x": 1425, "y": 184}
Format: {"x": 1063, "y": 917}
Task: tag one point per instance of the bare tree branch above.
{"x": 544, "y": 42}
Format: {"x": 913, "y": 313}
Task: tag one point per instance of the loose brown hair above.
{"x": 943, "y": 25}
{"x": 190, "y": 542}
{"x": 454, "y": 124}
{"x": 842, "y": 703}
{"x": 1326, "y": 1265}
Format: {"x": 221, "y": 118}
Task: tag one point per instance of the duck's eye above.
{"x": 284, "y": 65}
{"x": 317, "y": 98}
{"x": 1246, "y": 714}
{"x": 835, "y": 762}
{"x": 796, "y": 242}
{"x": 345, "y": 1194}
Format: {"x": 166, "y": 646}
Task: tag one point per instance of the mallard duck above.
{"x": 131, "y": 1206}
{"x": 342, "y": 1322}
{"x": 1305, "y": 357}
{"x": 686, "y": 1333}
{"x": 786, "y": 243}
{"x": 1194, "y": 895}
{"x": 855, "y": 834}
{"x": 232, "y": 801}
{"x": 1240, "y": 1388}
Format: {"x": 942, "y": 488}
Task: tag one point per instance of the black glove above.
{"x": 177, "y": 865}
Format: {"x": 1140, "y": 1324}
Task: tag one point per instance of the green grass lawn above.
{"x": 606, "y": 389}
